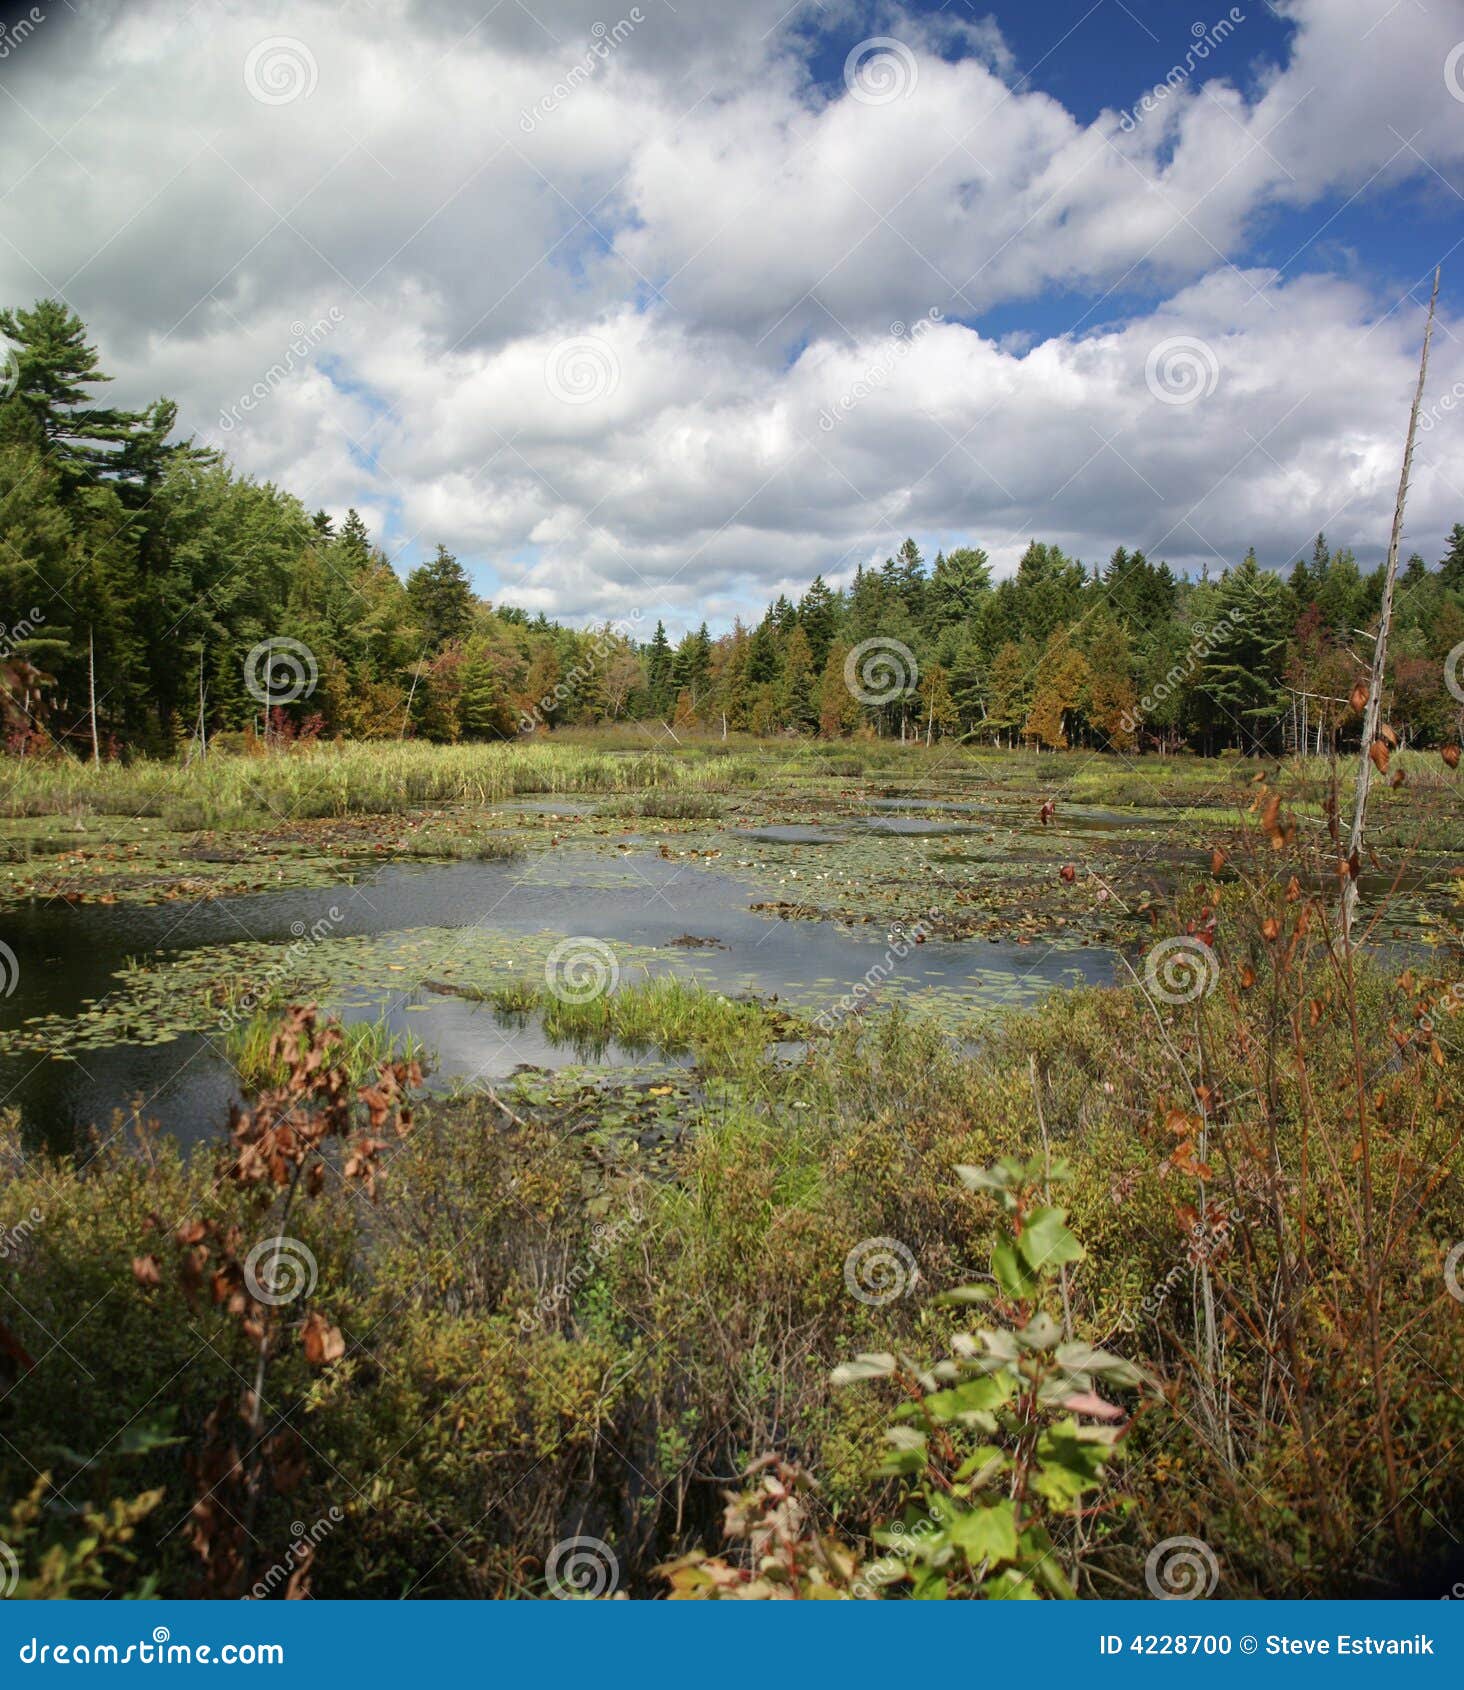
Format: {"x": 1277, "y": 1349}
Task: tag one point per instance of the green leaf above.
{"x": 1011, "y": 1584}
{"x": 1042, "y": 1563}
{"x": 909, "y": 1461}
{"x": 963, "y": 1294}
{"x": 1083, "y": 1358}
{"x": 1045, "y": 1241}
{"x": 1067, "y": 1465}
{"x": 994, "y": 1178}
{"x": 1011, "y": 1272}
{"x": 986, "y": 1535}
{"x": 976, "y": 1396}
{"x": 905, "y": 1437}
{"x": 982, "y": 1466}
{"x": 1040, "y": 1333}
{"x": 875, "y": 1366}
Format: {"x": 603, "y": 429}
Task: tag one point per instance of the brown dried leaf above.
{"x": 323, "y": 1342}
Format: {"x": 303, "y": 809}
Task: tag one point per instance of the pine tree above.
{"x": 1451, "y": 568}
{"x": 659, "y": 662}
{"x": 909, "y": 579}
{"x": 957, "y": 582}
{"x": 482, "y": 710}
{"x": 818, "y": 615}
{"x": 55, "y": 366}
{"x": 796, "y": 703}
{"x": 442, "y": 599}
{"x": 1241, "y": 675}
{"x": 968, "y": 685}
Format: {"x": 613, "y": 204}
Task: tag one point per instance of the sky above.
{"x": 657, "y": 310}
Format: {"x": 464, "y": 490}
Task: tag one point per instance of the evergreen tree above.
{"x": 818, "y": 616}
{"x": 797, "y": 704}
{"x": 1451, "y": 568}
{"x": 55, "y": 366}
{"x": 957, "y": 582}
{"x": 1241, "y": 676}
{"x": 441, "y": 597}
{"x": 659, "y": 664}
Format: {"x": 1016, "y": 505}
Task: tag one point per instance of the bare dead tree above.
{"x": 1372, "y": 713}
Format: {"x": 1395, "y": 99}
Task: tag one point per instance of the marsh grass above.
{"x": 366, "y": 1046}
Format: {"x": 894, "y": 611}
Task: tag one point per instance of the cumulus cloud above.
{"x": 610, "y": 291}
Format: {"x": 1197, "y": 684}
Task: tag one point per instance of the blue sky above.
{"x": 655, "y": 310}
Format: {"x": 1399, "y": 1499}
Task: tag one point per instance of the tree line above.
{"x": 156, "y": 597}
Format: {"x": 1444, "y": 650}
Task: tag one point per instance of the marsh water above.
{"x": 69, "y": 957}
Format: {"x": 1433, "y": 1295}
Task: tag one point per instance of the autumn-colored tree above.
{"x": 540, "y": 698}
{"x": 838, "y": 709}
{"x": 1061, "y": 680}
{"x": 937, "y": 707}
{"x": 1110, "y": 704}
{"x": 685, "y": 718}
{"x": 1008, "y": 690}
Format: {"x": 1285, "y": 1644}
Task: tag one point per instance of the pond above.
{"x": 381, "y": 943}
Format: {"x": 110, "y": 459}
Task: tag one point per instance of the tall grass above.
{"x": 318, "y": 781}
{"x": 365, "y": 1047}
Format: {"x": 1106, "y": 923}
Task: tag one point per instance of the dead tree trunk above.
{"x": 91, "y": 681}
{"x": 1372, "y": 713}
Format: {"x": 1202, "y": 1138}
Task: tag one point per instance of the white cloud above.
{"x": 733, "y": 244}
